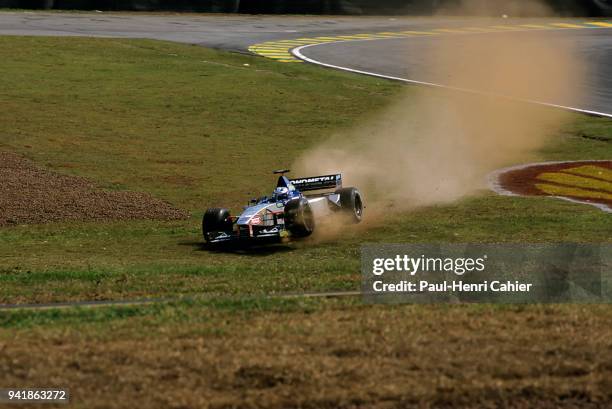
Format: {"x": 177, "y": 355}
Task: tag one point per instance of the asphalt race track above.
{"x": 400, "y": 58}
{"x": 391, "y": 56}
{"x": 231, "y": 32}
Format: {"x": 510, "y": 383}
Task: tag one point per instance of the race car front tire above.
{"x": 299, "y": 218}
{"x": 351, "y": 203}
{"x": 216, "y": 220}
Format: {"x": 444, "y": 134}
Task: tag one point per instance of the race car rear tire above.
{"x": 216, "y": 220}
{"x": 351, "y": 203}
{"x": 299, "y": 218}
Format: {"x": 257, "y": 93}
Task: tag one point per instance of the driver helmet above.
{"x": 281, "y": 193}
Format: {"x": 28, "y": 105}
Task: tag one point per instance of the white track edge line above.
{"x": 297, "y": 52}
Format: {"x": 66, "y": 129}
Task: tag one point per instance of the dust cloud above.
{"x": 435, "y": 146}
{"x": 513, "y": 8}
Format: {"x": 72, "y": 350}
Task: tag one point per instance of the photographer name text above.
{"x": 450, "y": 286}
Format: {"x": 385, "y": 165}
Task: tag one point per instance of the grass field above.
{"x": 160, "y": 118}
{"x": 333, "y": 354}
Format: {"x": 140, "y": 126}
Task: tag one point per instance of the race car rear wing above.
{"x": 317, "y": 182}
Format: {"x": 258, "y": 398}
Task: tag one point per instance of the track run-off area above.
{"x": 351, "y": 44}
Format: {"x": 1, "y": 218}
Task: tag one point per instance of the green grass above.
{"x": 177, "y": 121}
{"x": 161, "y": 118}
{"x": 199, "y": 127}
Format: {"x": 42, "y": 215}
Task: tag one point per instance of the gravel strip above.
{"x": 32, "y": 195}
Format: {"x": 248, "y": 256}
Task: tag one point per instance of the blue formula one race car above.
{"x": 287, "y": 213}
